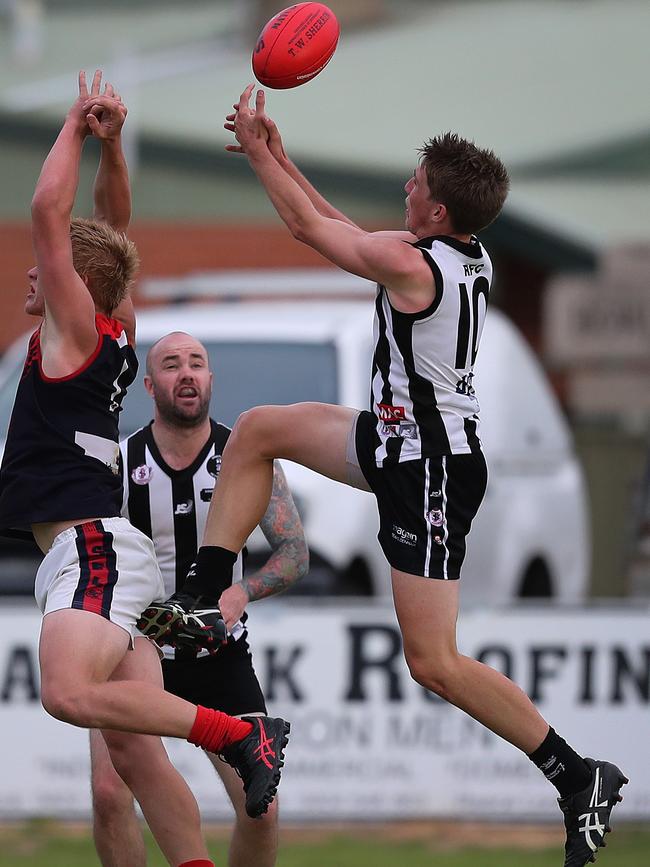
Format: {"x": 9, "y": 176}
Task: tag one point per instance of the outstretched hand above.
{"x": 77, "y": 114}
{"x": 249, "y": 125}
{"x": 274, "y": 139}
{"x": 105, "y": 113}
{"x": 96, "y": 113}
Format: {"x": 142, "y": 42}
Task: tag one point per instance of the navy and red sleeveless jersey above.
{"x": 61, "y": 460}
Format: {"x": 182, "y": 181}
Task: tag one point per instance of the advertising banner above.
{"x": 367, "y": 742}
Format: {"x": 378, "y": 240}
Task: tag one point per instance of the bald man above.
{"x": 170, "y": 467}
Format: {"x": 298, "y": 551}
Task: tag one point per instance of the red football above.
{"x": 295, "y": 45}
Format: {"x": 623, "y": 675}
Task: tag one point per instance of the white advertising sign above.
{"x": 367, "y": 742}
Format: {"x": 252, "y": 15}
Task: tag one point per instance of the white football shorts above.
{"x": 106, "y": 566}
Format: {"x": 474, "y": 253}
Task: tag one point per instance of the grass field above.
{"x": 45, "y": 844}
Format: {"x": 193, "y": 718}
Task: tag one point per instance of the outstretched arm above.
{"x": 105, "y": 115}
{"x": 289, "y": 558}
{"x": 69, "y": 308}
{"x": 276, "y": 146}
{"x": 112, "y": 190}
{"x": 385, "y": 259}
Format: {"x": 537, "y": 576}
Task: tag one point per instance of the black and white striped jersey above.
{"x": 423, "y": 364}
{"x": 171, "y": 506}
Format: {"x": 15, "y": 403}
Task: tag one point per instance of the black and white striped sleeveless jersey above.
{"x": 423, "y": 363}
{"x": 171, "y": 506}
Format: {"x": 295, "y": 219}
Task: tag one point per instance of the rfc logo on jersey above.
{"x": 473, "y": 269}
{"x": 142, "y": 475}
{"x": 214, "y": 466}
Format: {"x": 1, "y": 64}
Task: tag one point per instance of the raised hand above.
{"x": 105, "y": 113}
{"x": 77, "y": 114}
{"x": 273, "y": 137}
{"x": 247, "y": 123}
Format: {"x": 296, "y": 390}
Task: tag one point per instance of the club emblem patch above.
{"x": 435, "y": 517}
{"x": 214, "y": 466}
{"x": 142, "y": 475}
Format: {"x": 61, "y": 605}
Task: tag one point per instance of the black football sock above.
{"x": 561, "y": 765}
{"x": 211, "y": 573}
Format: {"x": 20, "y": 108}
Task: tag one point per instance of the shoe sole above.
{"x": 158, "y": 620}
{"x": 258, "y": 809}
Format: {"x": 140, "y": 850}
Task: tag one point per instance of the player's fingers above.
{"x": 230, "y": 117}
{"x": 229, "y": 126}
{"x": 108, "y": 89}
{"x": 260, "y": 103}
{"x": 235, "y": 149}
{"x": 108, "y": 102}
{"x": 83, "y": 87}
{"x": 97, "y": 82}
{"x": 244, "y": 99}
{"x": 92, "y": 122}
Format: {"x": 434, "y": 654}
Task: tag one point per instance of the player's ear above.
{"x": 438, "y": 212}
{"x": 148, "y": 384}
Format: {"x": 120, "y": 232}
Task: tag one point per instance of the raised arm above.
{"x": 69, "y": 308}
{"x": 106, "y": 114}
{"x": 276, "y": 146}
{"x": 381, "y": 257}
{"x": 289, "y": 559}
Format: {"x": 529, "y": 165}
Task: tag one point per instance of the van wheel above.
{"x": 355, "y": 580}
{"x": 536, "y": 582}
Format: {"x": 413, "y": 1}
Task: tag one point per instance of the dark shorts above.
{"x": 225, "y": 681}
{"x": 426, "y": 506}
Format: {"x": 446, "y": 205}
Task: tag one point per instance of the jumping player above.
{"x": 60, "y": 480}
{"x": 170, "y": 468}
{"x": 419, "y": 449}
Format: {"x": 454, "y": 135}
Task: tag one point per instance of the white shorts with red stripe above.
{"x": 106, "y": 567}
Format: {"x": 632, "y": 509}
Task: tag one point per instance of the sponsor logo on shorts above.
{"x": 435, "y": 517}
{"x": 405, "y": 537}
{"x": 142, "y": 475}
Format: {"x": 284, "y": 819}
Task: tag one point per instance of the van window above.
{"x": 246, "y": 374}
{"x": 249, "y": 374}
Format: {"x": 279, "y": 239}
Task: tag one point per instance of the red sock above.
{"x": 197, "y": 862}
{"x": 214, "y": 730}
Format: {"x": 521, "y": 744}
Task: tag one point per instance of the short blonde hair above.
{"x": 106, "y": 258}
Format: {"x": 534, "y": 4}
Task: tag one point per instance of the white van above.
{"x": 530, "y": 538}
